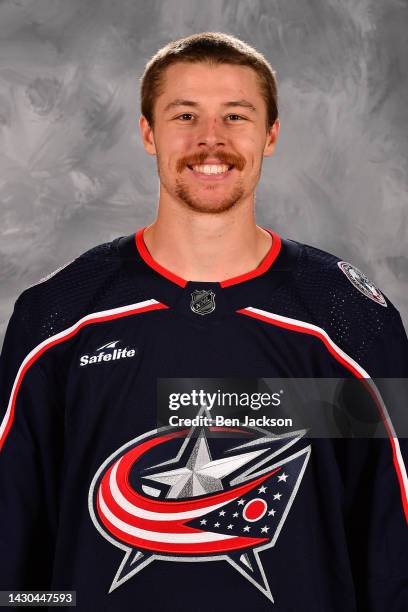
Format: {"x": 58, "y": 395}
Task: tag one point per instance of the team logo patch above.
{"x": 202, "y": 301}
{"x": 362, "y": 283}
{"x": 180, "y": 494}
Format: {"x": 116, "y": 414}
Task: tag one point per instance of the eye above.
{"x": 236, "y": 117}
{"x": 184, "y": 116}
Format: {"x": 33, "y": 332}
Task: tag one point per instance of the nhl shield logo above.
{"x": 202, "y": 301}
{"x": 362, "y": 283}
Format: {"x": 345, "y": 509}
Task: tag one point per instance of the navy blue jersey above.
{"x": 96, "y": 497}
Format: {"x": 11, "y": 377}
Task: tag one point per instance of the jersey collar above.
{"x": 263, "y": 267}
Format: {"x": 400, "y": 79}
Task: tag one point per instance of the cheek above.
{"x": 182, "y": 142}
{"x": 249, "y": 146}
{"x": 177, "y": 146}
{"x": 257, "y": 153}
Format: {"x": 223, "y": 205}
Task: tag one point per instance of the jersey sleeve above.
{"x": 376, "y": 484}
{"x": 30, "y": 460}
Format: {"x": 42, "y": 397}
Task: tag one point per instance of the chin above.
{"x": 212, "y": 205}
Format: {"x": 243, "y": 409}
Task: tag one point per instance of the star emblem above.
{"x": 188, "y": 475}
{"x": 200, "y": 475}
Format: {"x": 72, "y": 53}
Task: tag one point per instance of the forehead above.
{"x": 200, "y": 81}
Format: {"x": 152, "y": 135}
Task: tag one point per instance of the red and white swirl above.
{"x": 159, "y": 525}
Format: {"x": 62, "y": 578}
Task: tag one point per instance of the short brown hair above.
{"x": 214, "y": 48}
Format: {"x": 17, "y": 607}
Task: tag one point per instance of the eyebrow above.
{"x": 182, "y": 102}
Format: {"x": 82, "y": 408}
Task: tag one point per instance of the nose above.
{"x": 212, "y": 133}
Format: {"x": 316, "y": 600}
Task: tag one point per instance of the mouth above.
{"x": 211, "y": 171}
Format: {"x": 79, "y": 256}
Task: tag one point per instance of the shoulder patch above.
{"x": 362, "y": 283}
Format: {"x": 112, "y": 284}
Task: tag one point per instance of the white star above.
{"x": 271, "y": 512}
{"x": 247, "y": 528}
{"x": 235, "y": 514}
{"x": 203, "y": 522}
{"x": 282, "y": 477}
{"x": 262, "y": 489}
{"x": 230, "y": 526}
{"x": 277, "y": 496}
{"x": 201, "y": 474}
{"x": 241, "y": 502}
{"x": 222, "y": 512}
{"x": 216, "y": 524}
{"x": 265, "y": 529}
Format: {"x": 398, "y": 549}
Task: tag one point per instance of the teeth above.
{"x": 213, "y": 169}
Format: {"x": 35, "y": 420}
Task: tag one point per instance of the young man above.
{"x": 95, "y": 496}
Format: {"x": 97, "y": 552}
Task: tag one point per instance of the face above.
{"x": 209, "y": 135}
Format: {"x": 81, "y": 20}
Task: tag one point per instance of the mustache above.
{"x": 229, "y": 159}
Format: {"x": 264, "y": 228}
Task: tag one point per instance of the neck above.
{"x": 204, "y": 246}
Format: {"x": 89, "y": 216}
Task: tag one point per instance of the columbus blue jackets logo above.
{"x": 202, "y": 301}
{"x": 362, "y": 283}
{"x": 196, "y": 495}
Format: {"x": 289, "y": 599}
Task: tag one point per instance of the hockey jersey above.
{"x": 97, "y": 497}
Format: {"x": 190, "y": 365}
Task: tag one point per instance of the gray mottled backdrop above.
{"x": 73, "y": 172}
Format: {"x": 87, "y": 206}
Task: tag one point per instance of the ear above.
{"x": 146, "y": 133}
{"x": 271, "y": 138}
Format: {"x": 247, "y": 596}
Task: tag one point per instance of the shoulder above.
{"x": 105, "y": 252}
{"x": 343, "y": 300}
{"x": 74, "y": 289}
{"x": 341, "y": 279}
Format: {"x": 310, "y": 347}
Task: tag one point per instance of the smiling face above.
{"x": 209, "y": 135}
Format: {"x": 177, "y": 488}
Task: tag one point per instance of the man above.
{"x": 95, "y": 496}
